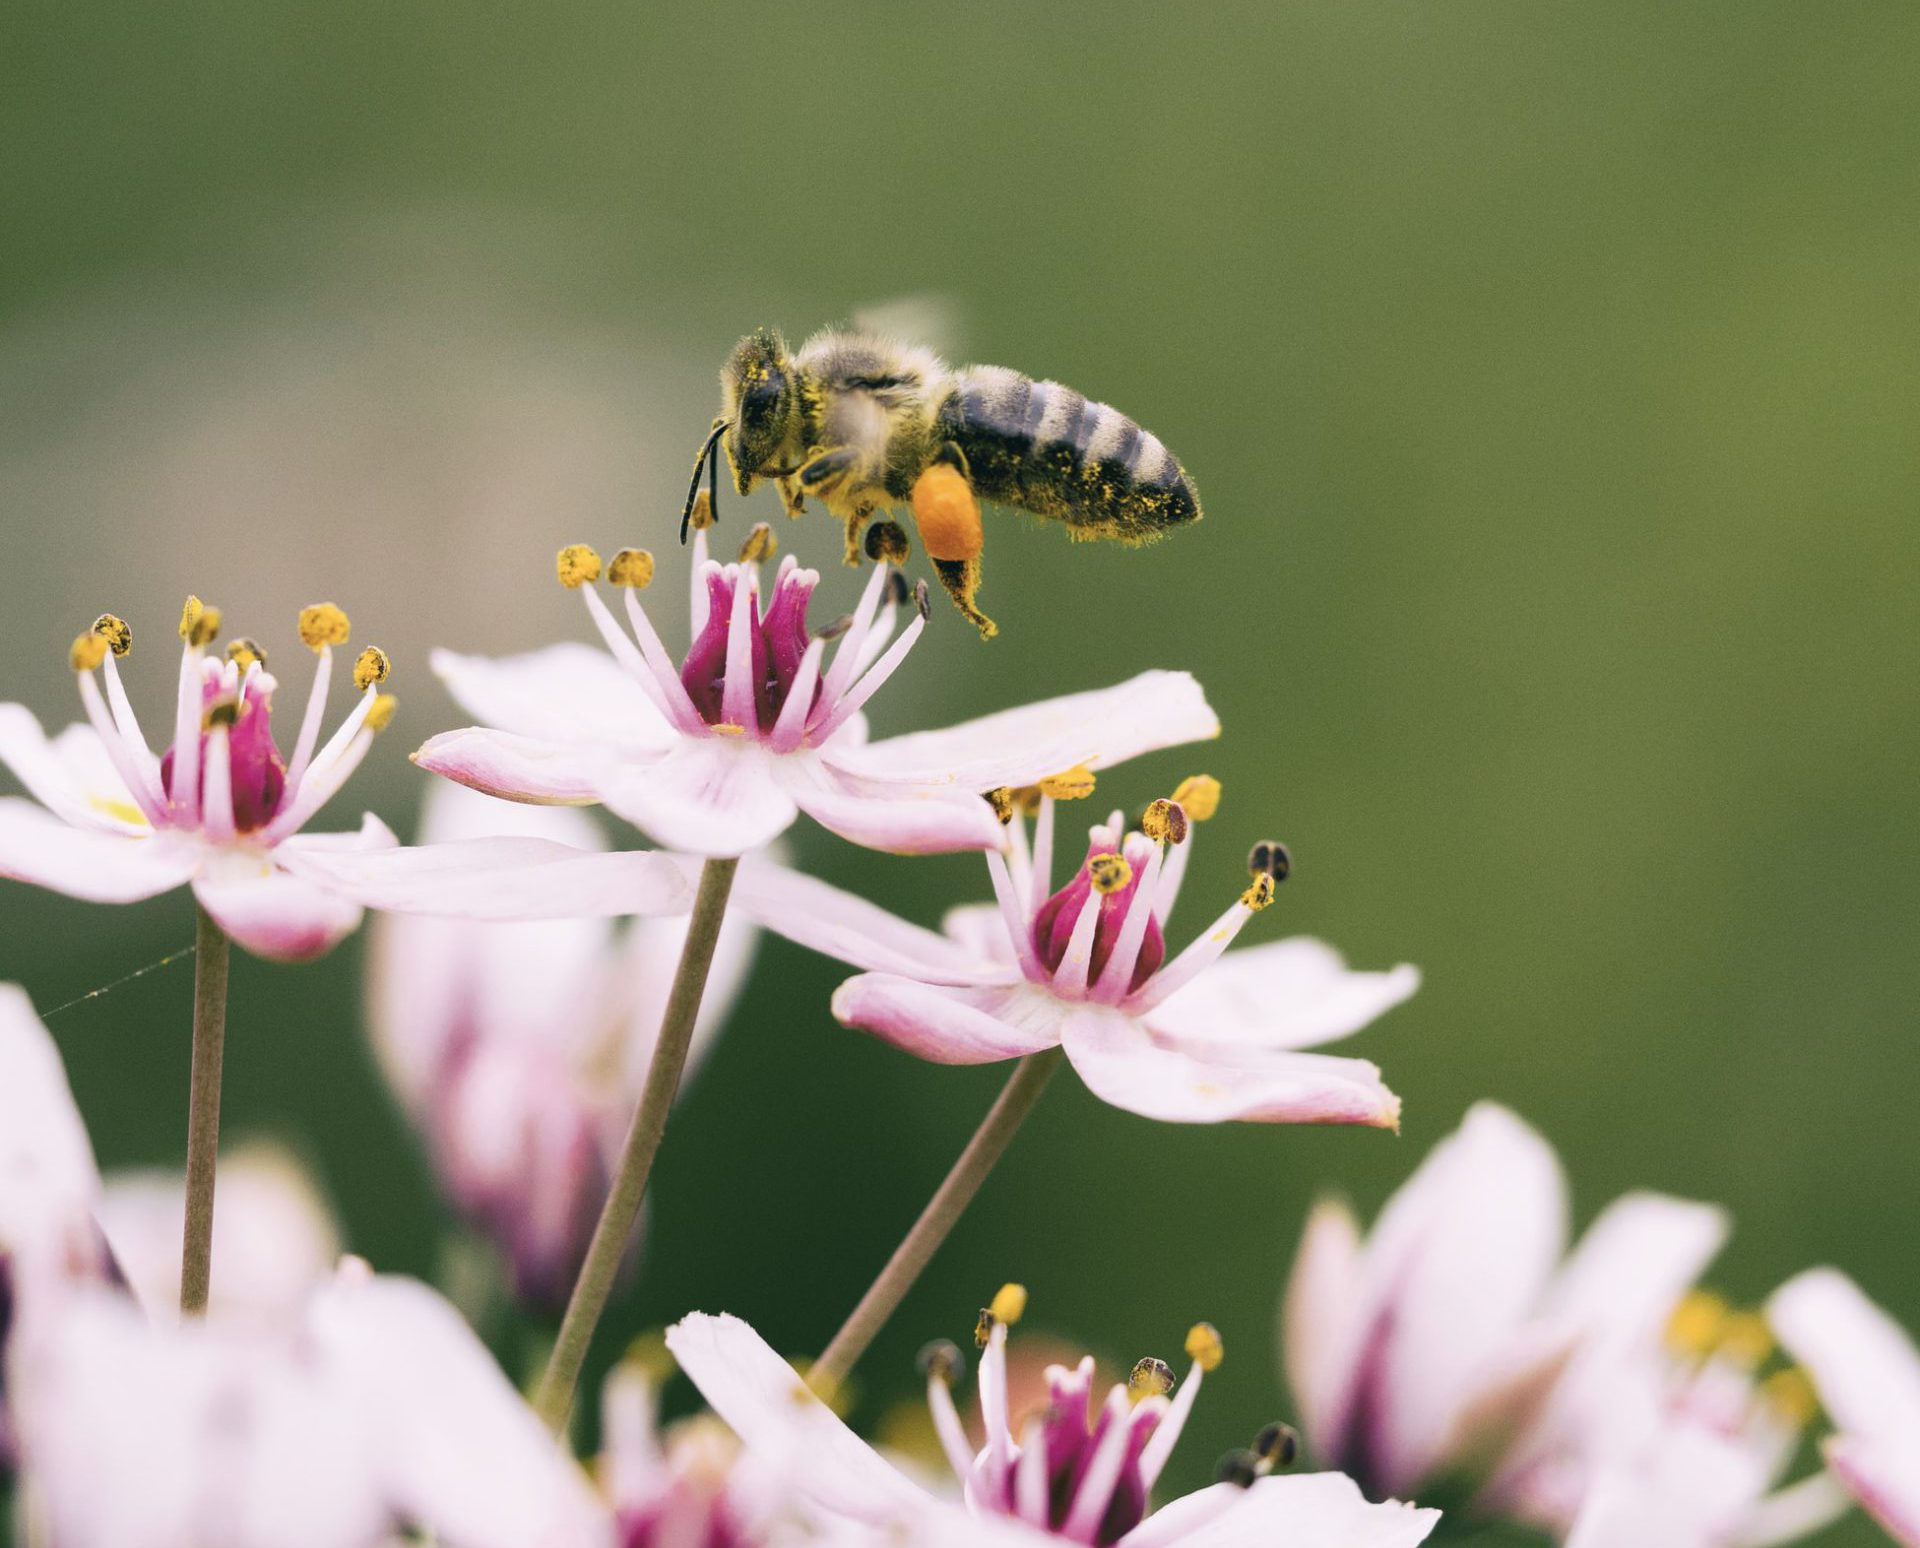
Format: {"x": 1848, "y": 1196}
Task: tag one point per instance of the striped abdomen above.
{"x": 1046, "y": 449}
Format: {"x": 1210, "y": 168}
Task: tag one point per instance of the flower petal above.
{"x": 1310, "y": 1510}
{"x": 86, "y": 863}
{"x": 1023, "y": 746}
{"x": 43, "y": 1141}
{"x": 1863, "y": 1363}
{"x": 516, "y": 768}
{"x": 823, "y": 918}
{"x": 1283, "y": 994}
{"x": 1881, "y": 1476}
{"x": 562, "y": 693}
{"x": 273, "y": 913}
{"x": 1316, "y": 1319}
{"x": 71, "y": 775}
{"x": 1121, "y": 1063}
{"x": 708, "y": 796}
{"x": 497, "y": 879}
{"x": 896, "y": 817}
{"x": 950, "y": 1025}
{"x": 764, "y": 1401}
{"x": 1636, "y": 1260}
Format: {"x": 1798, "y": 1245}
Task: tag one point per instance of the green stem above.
{"x": 937, "y": 1220}
{"x": 554, "y": 1399}
{"x": 210, "y": 961}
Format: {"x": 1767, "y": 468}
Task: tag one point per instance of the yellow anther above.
{"x": 1199, "y": 796}
{"x": 380, "y": 713}
{"x": 322, "y": 625}
{"x": 1745, "y": 1339}
{"x": 647, "y": 1354}
{"x": 1204, "y": 1347}
{"x": 244, "y": 653}
{"x": 1009, "y": 1304}
{"x": 199, "y": 623}
{"x": 701, "y": 516}
{"x": 115, "y": 631}
{"x": 1696, "y": 1323}
{"x": 1075, "y": 784}
{"x": 1149, "y": 1378}
{"x": 1001, "y": 800}
{"x": 760, "y": 544}
{"x": 631, "y": 567}
{"x": 1165, "y": 822}
{"x": 576, "y": 565}
{"x": 1259, "y": 895}
{"x": 1109, "y": 873}
{"x": 727, "y": 728}
{"x": 88, "y": 651}
{"x": 371, "y": 666}
{"x": 1790, "y": 1394}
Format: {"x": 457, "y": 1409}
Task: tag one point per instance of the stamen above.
{"x": 1259, "y": 895}
{"x": 1276, "y": 1446}
{"x": 667, "y": 692}
{"x": 701, "y": 516}
{"x": 1070, "y": 978}
{"x": 983, "y": 1328}
{"x": 244, "y": 653}
{"x": 199, "y": 623}
{"x": 1240, "y": 1468}
{"x": 1097, "y": 1484}
{"x": 1030, "y": 1491}
{"x": 1695, "y": 1325}
{"x": 380, "y": 716}
{"x": 216, "y": 817}
{"x": 736, "y": 689}
{"x": 1205, "y": 950}
{"x": 119, "y": 750}
{"x": 1270, "y": 858}
{"x": 322, "y": 624}
{"x": 1001, "y": 800}
{"x": 1042, "y": 855}
{"x": 632, "y": 567}
{"x": 697, "y": 600}
{"x": 1018, "y": 926}
{"x": 790, "y": 725}
{"x": 1149, "y": 1378}
{"x": 183, "y": 791}
{"x": 887, "y": 543}
{"x": 87, "y": 652}
{"x": 992, "y": 1387}
{"x": 1745, "y": 1340}
{"x": 1205, "y": 1349}
{"x": 1204, "y": 1346}
{"x": 1075, "y": 784}
{"x": 1200, "y": 795}
{"x": 759, "y": 545}
{"x": 1165, "y": 822}
{"x": 1009, "y": 1304}
{"x": 1790, "y": 1394}
{"x": 1109, "y": 874}
{"x": 833, "y": 628}
{"x": 115, "y": 631}
{"x": 371, "y": 666}
{"x": 940, "y": 1363}
{"x": 576, "y": 565}
{"x": 1116, "y": 978}
{"x": 847, "y": 657}
{"x": 870, "y": 683}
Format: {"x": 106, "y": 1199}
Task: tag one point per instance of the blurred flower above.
{"x": 520, "y": 1049}
{"x": 1867, "y": 1372}
{"x": 221, "y": 810}
{"x": 1454, "y": 1346}
{"x": 718, "y": 755}
{"x": 1070, "y": 1475}
{"x": 1197, "y": 1038}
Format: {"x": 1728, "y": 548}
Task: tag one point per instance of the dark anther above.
{"x": 1239, "y": 1468}
{"x": 1271, "y": 858}
{"x": 922, "y": 600}
{"x": 897, "y": 590}
{"x": 887, "y": 541}
{"x": 834, "y": 628}
{"x": 983, "y": 1328}
{"x": 1001, "y": 800}
{"x": 940, "y": 1361}
{"x": 1277, "y": 1445}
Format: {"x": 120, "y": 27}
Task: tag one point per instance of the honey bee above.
{"x": 865, "y": 424}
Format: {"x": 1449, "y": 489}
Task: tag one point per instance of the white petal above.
{"x": 1317, "y": 1320}
{"x": 517, "y": 768}
{"x": 87, "y": 863}
{"x": 894, "y": 816}
{"x": 273, "y": 913}
{"x": 1284, "y": 994}
{"x": 1882, "y": 1477}
{"x": 71, "y": 776}
{"x": 708, "y": 796}
{"x": 563, "y": 693}
{"x": 764, "y": 1401}
{"x": 44, "y": 1148}
{"x": 1635, "y": 1261}
{"x": 951, "y": 1025}
{"x": 1309, "y": 1510}
{"x": 1023, "y": 746}
{"x": 1864, "y": 1363}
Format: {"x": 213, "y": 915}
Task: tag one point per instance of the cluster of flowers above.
{"x": 1458, "y": 1351}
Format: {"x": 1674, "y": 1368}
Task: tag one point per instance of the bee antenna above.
{"x": 710, "y": 461}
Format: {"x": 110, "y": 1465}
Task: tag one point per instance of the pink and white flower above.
{"x": 221, "y": 811}
{"x": 1867, "y": 1372}
{"x": 1077, "y": 1474}
{"x": 718, "y": 753}
{"x": 1198, "y": 1037}
{"x": 520, "y": 1049}
{"x": 1454, "y": 1342}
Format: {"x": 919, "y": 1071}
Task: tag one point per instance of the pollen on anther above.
{"x": 222, "y": 712}
{"x": 322, "y": 625}
{"x": 1149, "y": 1378}
{"x": 887, "y": 543}
{"x": 701, "y": 516}
{"x": 244, "y": 653}
{"x": 983, "y": 1328}
{"x": 199, "y": 623}
{"x": 631, "y": 567}
{"x": 1790, "y": 1394}
{"x": 1259, "y": 895}
{"x": 371, "y": 666}
{"x": 1074, "y": 784}
{"x": 87, "y": 652}
{"x": 1696, "y": 1323}
{"x": 940, "y": 1361}
{"x": 1204, "y": 1346}
{"x": 1000, "y": 798}
{"x": 1199, "y": 796}
{"x": 115, "y": 631}
{"x": 1109, "y": 873}
{"x": 1009, "y": 1304}
{"x": 759, "y": 545}
{"x": 576, "y": 565}
{"x": 380, "y": 713}
{"x": 922, "y": 600}
{"x": 1165, "y": 821}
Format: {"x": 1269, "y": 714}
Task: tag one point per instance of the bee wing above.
{"x": 934, "y": 318}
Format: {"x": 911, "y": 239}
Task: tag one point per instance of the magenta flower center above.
{"x": 776, "y": 641}
{"x": 1053, "y": 925}
{"x": 1069, "y": 1438}
{"x": 259, "y": 775}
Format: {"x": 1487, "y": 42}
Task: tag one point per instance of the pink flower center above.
{"x": 1053, "y": 925}
{"x": 259, "y": 775}
{"x": 777, "y": 639}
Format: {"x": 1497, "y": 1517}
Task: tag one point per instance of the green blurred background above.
{"x": 1549, "y": 373}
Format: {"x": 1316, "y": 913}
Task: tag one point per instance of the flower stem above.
{"x": 210, "y": 959}
{"x": 937, "y": 1220}
{"x": 554, "y": 1399}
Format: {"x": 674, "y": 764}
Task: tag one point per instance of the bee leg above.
{"x": 825, "y": 468}
{"x": 791, "y": 499}
{"x": 961, "y": 577}
{"x": 856, "y": 521}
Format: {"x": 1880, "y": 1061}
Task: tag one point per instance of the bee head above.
{"x": 762, "y": 405}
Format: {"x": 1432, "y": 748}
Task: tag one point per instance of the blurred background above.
{"x": 1549, "y": 375}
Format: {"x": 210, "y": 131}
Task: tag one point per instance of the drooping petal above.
{"x": 708, "y": 796}
{"x": 1310, "y": 1510}
{"x": 71, "y": 775}
{"x": 44, "y": 1147}
{"x": 1636, "y": 1260}
{"x": 516, "y": 768}
{"x": 1863, "y": 1363}
{"x": 1023, "y": 746}
{"x": 271, "y": 912}
{"x": 91, "y": 864}
{"x": 562, "y": 693}
{"x": 1316, "y": 1320}
{"x": 1283, "y": 994}
{"x": 764, "y": 1401}
{"x": 950, "y": 1025}
{"x": 896, "y": 817}
{"x": 1881, "y": 1475}
{"x": 1121, "y": 1063}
